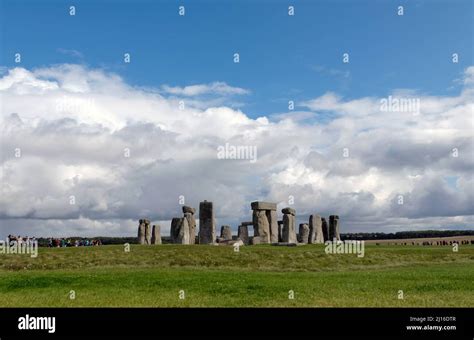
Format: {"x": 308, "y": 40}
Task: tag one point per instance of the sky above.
{"x": 72, "y": 106}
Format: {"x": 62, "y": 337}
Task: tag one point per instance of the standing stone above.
{"x": 261, "y": 226}
{"x": 243, "y": 234}
{"x": 188, "y": 209}
{"x": 289, "y": 229}
{"x": 147, "y": 232}
{"x": 316, "y": 234}
{"x": 312, "y": 230}
{"x": 173, "y": 229}
{"x": 273, "y": 221}
{"x": 288, "y": 210}
{"x": 179, "y": 230}
{"x": 156, "y": 235}
{"x": 325, "y": 228}
{"x": 141, "y": 232}
{"x": 304, "y": 233}
{"x": 207, "y": 224}
{"x": 334, "y": 227}
{"x": 192, "y": 226}
{"x": 226, "y": 233}
{"x": 280, "y": 231}
{"x": 255, "y": 240}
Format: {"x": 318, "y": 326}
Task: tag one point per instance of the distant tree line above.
{"x": 406, "y": 234}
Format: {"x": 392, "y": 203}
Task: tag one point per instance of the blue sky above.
{"x": 282, "y": 57}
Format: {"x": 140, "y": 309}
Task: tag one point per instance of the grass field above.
{"x": 256, "y": 276}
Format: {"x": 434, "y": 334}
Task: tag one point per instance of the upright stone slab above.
{"x": 141, "y": 232}
{"x": 179, "y": 230}
{"x": 273, "y": 221}
{"x": 280, "y": 231}
{"x": 316, "y": 234}
{"x": 207, "y": 226}
{"x": 255, "y": 240}
{"x": 188, "y": 209}
{"x": 334, "y": 227}
{"x": 312, "y": 230}
{"x": 226, "y": 233}
{"x": 156, "y": 235}
{"x": 174, "y": 229}
{"x": 147, "y": 232}
{"x": 289, "y": 228}
{"x": 243, "y": 234}
{"x": 192, "y": 226}
{"x": 265, "y": 222}
{"x": 289, "y": 210}
{"x": 325, "y": 228}
{"x": 304, "y": 233}
{"x": 261, "y": 226}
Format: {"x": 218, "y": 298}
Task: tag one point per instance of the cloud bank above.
{"x": 72, "y": 134}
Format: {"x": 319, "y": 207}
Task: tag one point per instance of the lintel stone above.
{"x": 263, "y": 206}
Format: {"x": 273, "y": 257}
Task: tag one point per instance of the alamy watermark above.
{"x": 28, "y": 322}
{"x": 244, "y": 152}
{"x": 75, "y": 105}
{"x": 345, "y": 247}
{"x": 19, "y": 247}
{"x": 400, "y": 104}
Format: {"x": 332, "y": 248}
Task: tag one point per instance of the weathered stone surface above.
{"x": 141, "y": 232}
{"x": 334, "y": 227}
{"x": 312, "y": 230}
{"x": 173, "y": 229}
{"x": 289, "y": 229}
{"x": 234, "y": 242}
{"x": 188, "y": 209}
{"x": 261, "y": 226}
{"x": 192, "y": 227}
{"x": 285, "y": 244}
{"x": 231, "y": 242}
{"x": 179, "y": 230}
{"x": 147, "y": 232}
{"x": 316, "y": 234}
{"x": 289, "y": 210}
{"x": 304, "y": 233}
{"x": 247, "y": 223}
{"x": 243, "y": 234}
{"x": 280, "y": 231}
{"x": 325, "y": 228}
{"x": 263, "y": 206}
{"x": 156, "y": 235}
{"x": 207, "y": 224}
{"x": 226, "y": 232}
{"x": 273, "y": 221}
{"x": 255, "y": 240}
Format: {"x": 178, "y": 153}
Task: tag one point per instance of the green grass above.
{"x": 256, "y": 276}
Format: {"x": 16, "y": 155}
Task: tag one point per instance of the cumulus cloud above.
{"x": 122, "y": 153}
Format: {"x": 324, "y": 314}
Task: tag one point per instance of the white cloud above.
{"x": 70, "y": 52}
{"x": 217, "y": 88}
{"x": 73, "y": 124}
{"x": 469, "y": 76}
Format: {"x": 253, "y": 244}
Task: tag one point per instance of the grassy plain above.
{"x": 256, "y": 276}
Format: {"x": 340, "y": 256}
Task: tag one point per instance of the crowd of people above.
{"x": 54, "y": 242}
{"x": 62, "y": 242}
{"x": 21, "y": 239}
